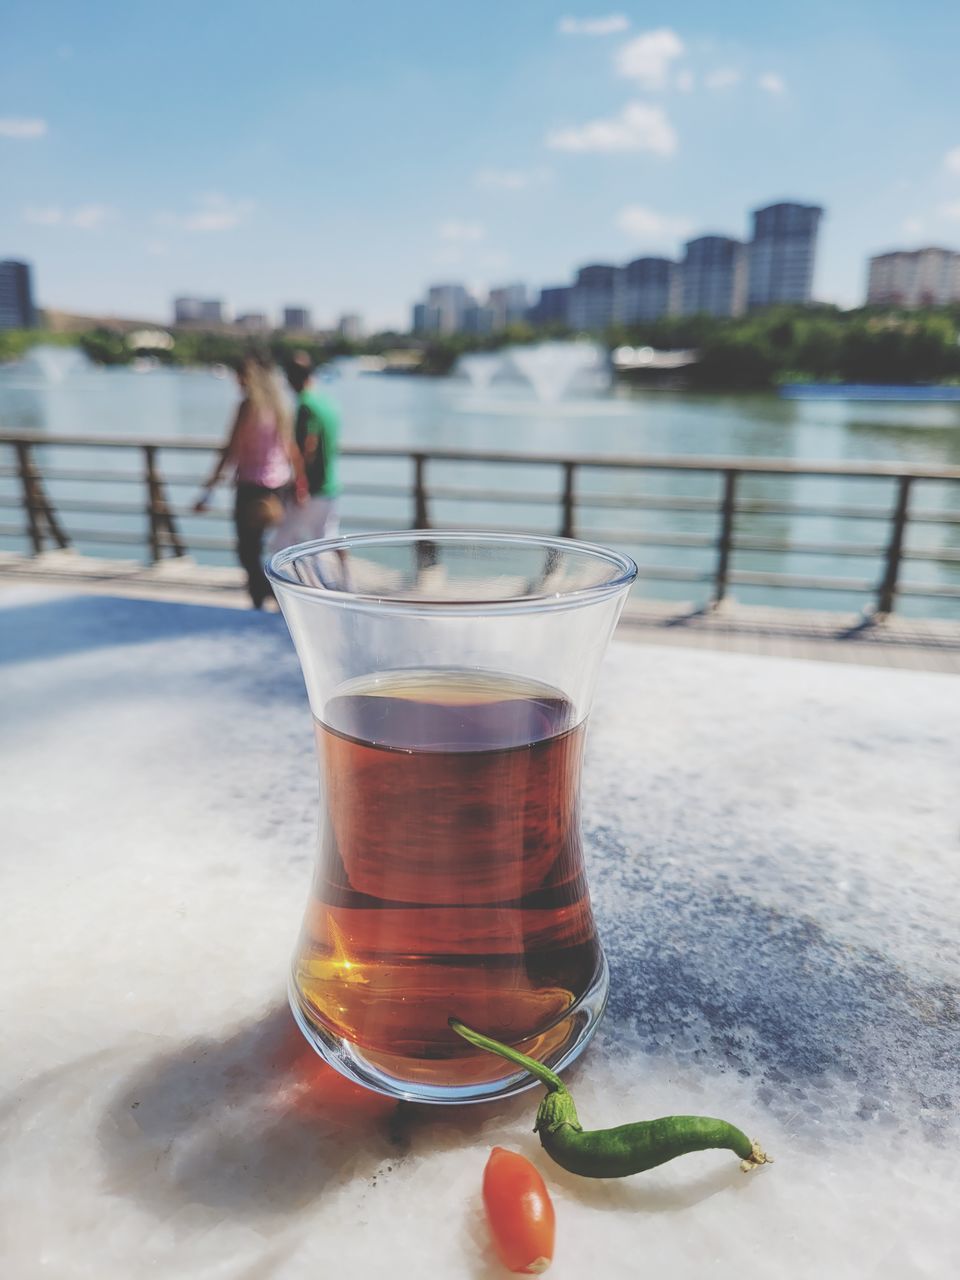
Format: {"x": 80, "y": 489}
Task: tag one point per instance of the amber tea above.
{"x": 450, "y": 878}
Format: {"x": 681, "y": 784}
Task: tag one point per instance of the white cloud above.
{"x": 913, "y": 226}
{"x": 43, "y": 215}
{"x": 459, "y": 232}
{"x": 214, "y": 213}
{"x": 685, "y": 81}
{"x": 646, "y": 224}
{"x": 771, "y": 82}
{"x": 648, "y": 57}
{"x": 638, "y": 127}
{"x": 510, "y": 179}
{"x": 90, "y": 216}
{"x": 156, "y": 248}
{"x": 951, "y": 161}
{"x": 950, "y": 211}
{"x": 22, "y": 127}
{"x": 607, "y": 26}
{"x": 722, "y": 78}
{"x": 86, "y": 217}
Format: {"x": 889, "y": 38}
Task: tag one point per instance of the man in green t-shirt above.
{"x": 317, "y": 429}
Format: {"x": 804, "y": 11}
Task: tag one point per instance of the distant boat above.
{"x": 867, "y": 391}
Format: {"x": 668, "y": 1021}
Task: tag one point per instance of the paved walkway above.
{"x": 918, "y": 644}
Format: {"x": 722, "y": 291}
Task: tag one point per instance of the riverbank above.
{"x": 759, "y": 351}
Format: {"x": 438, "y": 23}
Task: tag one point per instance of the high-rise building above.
{"x": 714, "y": 276}
{"x": 477, "y": 319}
{"x": 917, "y": 278}
{"x": 449, "y": 301}
{"x": 297, "y": 319}
{"x": 508, "y": 303}
{"x": 552, "y": 308}
{"x": 16, "y": 296}
{"x": 649, "y": 290}
{"x": 423, "y": 318}
{"x": 253, "y": 322}
{"x": 593, "y": 298}
{"x": 350, "y": 327}
{"x": 782, "y": 253}
{"x": 198, "y": 311}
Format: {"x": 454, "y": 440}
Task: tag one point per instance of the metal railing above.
{"x": 163, "y": 535}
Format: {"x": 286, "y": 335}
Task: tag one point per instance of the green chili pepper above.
{"x": 630, "y": 1148}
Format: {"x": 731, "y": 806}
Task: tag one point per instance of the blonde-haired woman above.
{"x": 267, "y": 463}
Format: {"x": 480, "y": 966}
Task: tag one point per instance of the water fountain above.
{"x": 552, "y": 370}
{"x": 53, "y": 364}
{"x": 555, "y": 369}
{"x": 480, "y": 368}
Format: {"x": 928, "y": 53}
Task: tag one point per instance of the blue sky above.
{"x": 343, "y": 156}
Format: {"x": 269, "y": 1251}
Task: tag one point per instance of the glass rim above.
{"x": 623, "y": 572}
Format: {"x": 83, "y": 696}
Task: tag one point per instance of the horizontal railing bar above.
{"x": 82, "y": 505}
{"x": 671, "y": 573}
{"x": 934, "y": 517}
{"x": 746, "y": 466}
{"x": 447, "y": 493}
{"x": 473, "y": 527}
{"x": 916, "y": 589}
{"x": 382, "y": 490}
{"x": 583, "y": 500}
{"x": 652, "y": 501}
{"x": 633, "y": 536}
{"x": 947, "y": 555}
{"x": 743, "y": 542}
{"x": 71, "y": 473}
{"x": 645, "y": 538}
{"x": 108, "y": 535}
{"x": 771, "y": 508}
{"x": 368, "y": 522}
{"x": 749, "y": 578}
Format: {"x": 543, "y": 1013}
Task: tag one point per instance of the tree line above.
{"x": 752, "y": 352}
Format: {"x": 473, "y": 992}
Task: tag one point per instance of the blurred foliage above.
{"x": 760, "y": 350}
{"x": 812, "y": 344}
{"x": 17, "y": 342}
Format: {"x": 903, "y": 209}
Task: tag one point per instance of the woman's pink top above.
{"x": 260, "y": 455}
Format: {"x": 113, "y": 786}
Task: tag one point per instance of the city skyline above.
{"x": 488, "y": 147}
{"x": 716, "y": 275}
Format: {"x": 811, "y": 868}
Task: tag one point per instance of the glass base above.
{"x": 582, "y": 1019}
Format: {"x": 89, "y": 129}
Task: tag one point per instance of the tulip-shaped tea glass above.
{"x": 450, "y": 676}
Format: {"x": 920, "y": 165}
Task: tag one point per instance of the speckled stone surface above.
{"x": 774, "y": 852}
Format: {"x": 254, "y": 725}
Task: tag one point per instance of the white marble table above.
{"x": 773, "y": 849}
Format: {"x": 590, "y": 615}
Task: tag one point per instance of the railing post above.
{"x": 728, "y": 512}
{"x": 567, "y": 519}
{"x": 37, "y": 505}
{"x": 421, "y": 513}
{"x": 150, "y": 476}
{"x": 162, "y": 526}
{"x": 28, "y": 486}
{"x": 887, "y": 591}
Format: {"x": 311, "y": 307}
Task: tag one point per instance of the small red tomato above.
{"x": 520, "y": 1212}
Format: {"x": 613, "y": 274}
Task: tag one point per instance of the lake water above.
{"x": 386, "y": 410}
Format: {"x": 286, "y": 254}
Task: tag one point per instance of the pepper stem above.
{"x": 542, "y": 1073}
{"x": 754, "y": 1159}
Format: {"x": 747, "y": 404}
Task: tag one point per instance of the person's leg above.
{"x": 250, "y": 540}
